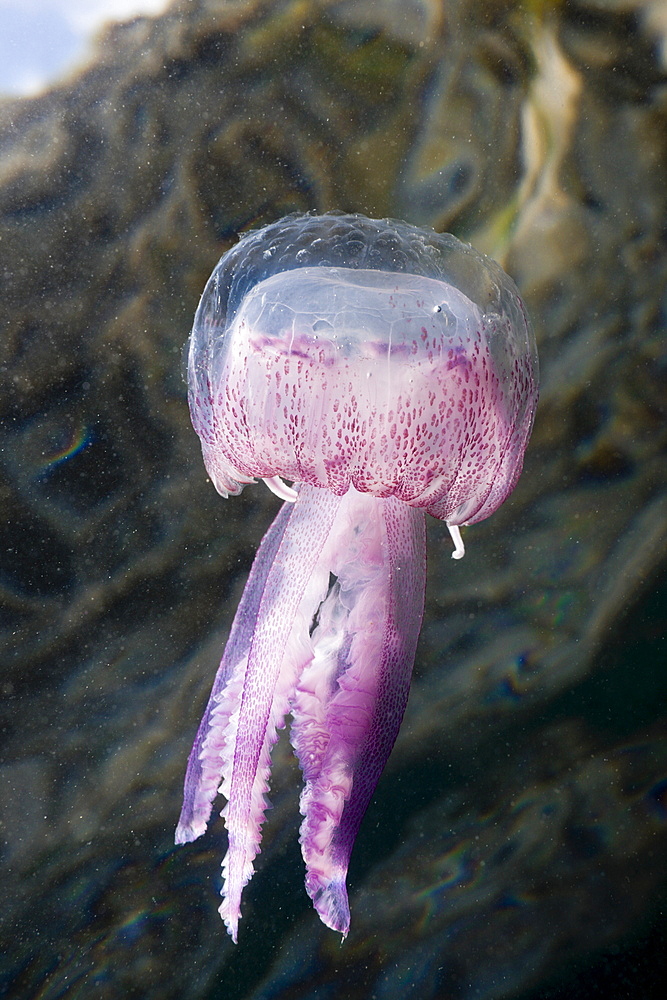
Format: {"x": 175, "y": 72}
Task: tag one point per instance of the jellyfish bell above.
{"x": 386, "y": 371}
{"x": 399, "y": 383}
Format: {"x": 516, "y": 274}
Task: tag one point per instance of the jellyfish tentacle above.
{"x": 351, "y": 697}
{"x": 204, "y": 770}
{"x": 459, "y": 547}
{"x": 281, "y": 489}
{"x": 277, "y": 653}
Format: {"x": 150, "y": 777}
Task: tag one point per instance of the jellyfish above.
{"x": 384, "y": 371}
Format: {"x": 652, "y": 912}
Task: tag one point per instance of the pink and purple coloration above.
{"x": 386, "y": 371}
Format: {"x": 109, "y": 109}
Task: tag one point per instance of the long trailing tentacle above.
{"x": 351, "y": 697}
{"x": 278, "y": 652}
{"x": 328, "y": 626}
{"x": 204, "y": 770}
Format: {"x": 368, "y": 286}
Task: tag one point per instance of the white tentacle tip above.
{"x": 281, "y": 489}
{"x": 459, "y": 547}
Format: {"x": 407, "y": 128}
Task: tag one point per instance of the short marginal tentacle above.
{"x": 459, "y": 547}
{"x": 281, "y": 489}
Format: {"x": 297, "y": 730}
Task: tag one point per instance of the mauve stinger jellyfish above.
{"x": 385, "y": 371}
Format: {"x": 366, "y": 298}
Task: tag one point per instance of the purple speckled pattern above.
{"x": 386, "y": 371}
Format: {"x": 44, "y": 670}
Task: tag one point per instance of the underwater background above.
{"x": 517, "y": 843}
